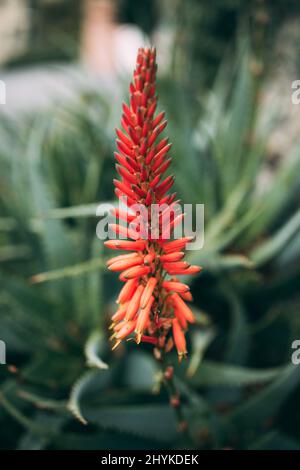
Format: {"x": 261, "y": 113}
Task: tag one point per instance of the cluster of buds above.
{"x": 152, "y": 306}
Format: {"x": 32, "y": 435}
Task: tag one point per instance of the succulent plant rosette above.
{"x": 152, "y": 302}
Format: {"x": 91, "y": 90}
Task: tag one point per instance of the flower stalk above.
{"x": 151, "y": 303}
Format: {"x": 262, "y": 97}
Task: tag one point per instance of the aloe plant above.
{"x": 63, "y": 387}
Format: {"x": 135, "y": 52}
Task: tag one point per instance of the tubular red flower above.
{"x": 187, "y": 296}
{"x": 179, "y": 339}
{"x": 175, "y": 286}
{"x": 142, "y": 320}
{"x": 176, "y": 245}
{"x": 137, "y": 271}
{"x": 134, "y": 303}
{"x": 126, "y": 329}
{"x": 127, "y": 291}
{"x": 181, "y": 318}
{"x": 176, "y": 256}
{"x": 125, "y": 264}
{"x": 150, "y": 286}
{"x": 181, "y": 306}
{"x": 176, "y": 265}
{"x": 120, "y": 313}
{"x": 125, "y": 257}
{"x": 151, "y": 305}
{"x": 125, "y": 245}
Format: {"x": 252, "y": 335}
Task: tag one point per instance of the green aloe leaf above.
{"x": 86, "y": 210}
{"x": 104, "y": 440}
{"x": 42, "y": 402}
{"x": 200, "y": 342}
{"x": 13, "y": 252}
{"x": 95, "y": 289}
{"x": 274, "y": 440}
{"x": 94, "y": 346}
{"x": 28, "y": 423}
{"x": 7, "y": 224}
{"x": 272, "y": 247}
{"x": 54, "y": 236}
{"x": 238, "y": 335}
{"x": 78, "y": 389}
{"x": 266, "y": 403}
{"x": 149, "y": 421}
{"x": 141, "y": 371}
{"x": 214, "y": 374}
{"x": 69, "y": 271}
{"x": 89, "y": 385}
{"x": 31, "y": 441}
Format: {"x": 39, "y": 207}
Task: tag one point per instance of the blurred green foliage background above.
{"x": 239, "y": 388}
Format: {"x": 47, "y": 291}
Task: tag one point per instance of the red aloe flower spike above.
{"x": 151, "y": 304}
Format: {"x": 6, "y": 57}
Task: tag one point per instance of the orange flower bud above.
{"x": 126, "y": 329}
{"x": 136, "y": 271}
{"x": 169, "y": 258}
{"x": 134, "y": 303}
{"x": 179, "y": 339}
{"x": 123, "y": 215}
{"x": 175, "y": 286}
{"x": 181, "y": 318}
{"x": 176, "y": 245}
{"x": 149, "y": 258}
{"x": 142, "y": 320}
{"x": 187, "y": 296}
{"x": 122, "y": 257}
{"x": 152, "y": 281}
{"x": 193, "y": 270}
{"x": 127, "y": 291}
{"x": 125, "y": 263}
{"x": 120, "y": 313}
{"x": 138, "y": 245}
{"x": 182, "y": 307}
{"x": 169, "y": 372}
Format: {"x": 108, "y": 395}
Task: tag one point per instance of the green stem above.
{"x": 174, "y": 397}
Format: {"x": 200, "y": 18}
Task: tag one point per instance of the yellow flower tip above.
{"x": 138, "y": 337}
{"x": 116, "y": 345}
{"x": 111, "y": 326}
{"x": 182, "y": 355}
{"x": 129, "y": 339}
{"x": 112, "y": 336}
